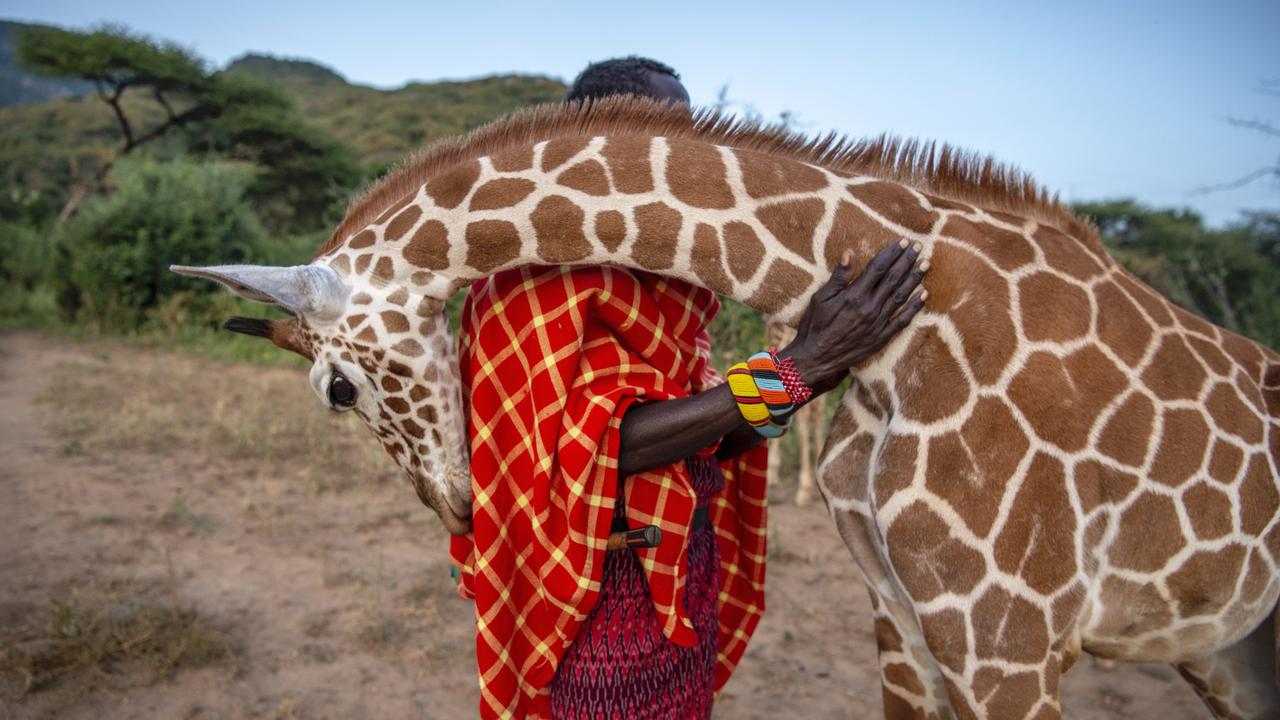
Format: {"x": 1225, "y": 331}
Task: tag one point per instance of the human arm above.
{"x": 847, "y": 321}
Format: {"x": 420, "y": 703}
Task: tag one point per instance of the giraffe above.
{"x": 1052, "y": 459}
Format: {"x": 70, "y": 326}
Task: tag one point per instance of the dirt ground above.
{"x": 226, "y": 493}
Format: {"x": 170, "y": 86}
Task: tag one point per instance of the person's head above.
{"x": 628, "y": 76}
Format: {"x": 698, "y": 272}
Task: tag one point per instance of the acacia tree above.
{"x": 304, "y": 172}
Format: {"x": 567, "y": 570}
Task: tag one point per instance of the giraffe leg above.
{"x": 911, "y": 683}
{"x": 1239, "y": 682}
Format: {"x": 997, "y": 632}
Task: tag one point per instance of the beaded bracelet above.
{"x": 754, "y": 408}
{"x": 791, "y": 380}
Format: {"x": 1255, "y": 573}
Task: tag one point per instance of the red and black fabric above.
{"x": 551, "y": 358}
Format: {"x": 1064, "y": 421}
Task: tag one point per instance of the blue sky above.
{"x": 1096, "y": 99}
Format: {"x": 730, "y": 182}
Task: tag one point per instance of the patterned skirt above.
{"x": 621, "y": 666}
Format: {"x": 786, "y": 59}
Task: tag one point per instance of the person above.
{"x": 594, "y": 408}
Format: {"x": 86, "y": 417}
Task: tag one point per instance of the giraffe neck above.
{"x": 762, "y": 230}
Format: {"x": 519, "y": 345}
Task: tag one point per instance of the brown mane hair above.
{"x": 926, "y": 166}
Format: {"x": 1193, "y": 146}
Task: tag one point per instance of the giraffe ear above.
{"x": 312, "y": 291}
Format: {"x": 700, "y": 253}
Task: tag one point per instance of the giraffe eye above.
{"x": 342, "y": 394}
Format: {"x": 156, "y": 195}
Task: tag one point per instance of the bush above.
{"x": 112, "y": 264}
{"x": 25, "y": 254}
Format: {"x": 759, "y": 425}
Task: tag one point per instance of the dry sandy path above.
{"x": 335, "y": 595}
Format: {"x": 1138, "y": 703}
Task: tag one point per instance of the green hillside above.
{"x": 46, "y": 146}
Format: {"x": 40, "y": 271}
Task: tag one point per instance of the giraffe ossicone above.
{"x": 1052, "y": 459}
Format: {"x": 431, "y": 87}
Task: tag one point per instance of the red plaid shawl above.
{"x": 551, "y": 358}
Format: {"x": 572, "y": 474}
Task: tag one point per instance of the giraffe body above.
{"x": 1051, "y": 459}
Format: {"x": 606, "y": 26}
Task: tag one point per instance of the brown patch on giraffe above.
{"x": 896, "y": 204}
{"x": 705, "y": 258}
{"x": 696, "y": 175}
{"x": 1206, "y": 581}
{"x": 1174, "y": 373}
{"x": 561, "y": 150}
{"x": 1098, "y": 484}
{"x": 399, "y": 297}
{"x": 1125, "y": 436}
{"x": 368, "y": 335}
{"x": 397, "y": 405}
{"x": 491, "y": 243}
{"x": 628, "y": 160}
{"x": 611, "y": 228}
{"x": 928, "y": 363}
{"x": 852, "y": 229}
{"x": 363, "y": 239}
{"x": 1009, "y": 628}
{"x": 1130, "y": 609}
{"x": 395, "y": 321}
{"x": 1120, "y": 324}
{"x": 944, "y": 633}
{"x": 1259, "y": 499}
{"x": 363, "y": 262}
{"x": 938, "y": 203}
{"x": 353, "y": 322}
{"x": 418, "y": 392}
{"x": 969, "y": 469}
{"x": 341, "y": 265}
{"x": 743, "y": 248}
{"x": 1154, "y": 305}
{"x": 765, "y": 176}
{"x": 869, "y": 403}
{"x": 782, "y": 283}
{"x": 658, "y": 226}
{"x": 1218, "y": 363}
{"x": 401, "y": 224}
{"x": 927, "y": 558}
{"x": 1245, "y": 352}
{"x": 903, "y": 676}
{"x": 558, "y": 224}
{"x": 421, "y": 277}
{"x": 1225, "y": 462}
{"x": 793, "y": 223}
{"x": 1039, "y": 536}
{"x": 1193, "y": 323}
{"x": 1149, "y": 534}
{"x": 1006, "y": 249}
{"x": 850, "y": 478}
{"x": 1257, "y": 578}
{"x": 429, "y": 246}
{"x": 384, "y": 269}
{"x": 428, "y": 413}
{"x": 501, "y": 193}
{"x": 976, "y": 298}
{"x": 1061, "y": 398}
{"x": 391, "y": 384}
{"x": 1231, "y": 415}
{"x": 412, "y": 428}
{"x": 888, "y": 639}
{"x": 1052, "y": 308}
{"x": 1014, "y": 696}
{"x": 450, "y": 188}
{"x": 513, "y": 160}
{"x": 395, "y": 207}
{"x": 1183, "y": 442}
{"x": 895, "y": 467}
{"x": 587, "y": 177}
{"x": 1066, "y": 254}
{"x": 409, "y": 347}
{"x": 1065, "y": 610}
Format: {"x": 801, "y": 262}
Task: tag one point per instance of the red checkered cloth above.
{"x": 551, "y": 358}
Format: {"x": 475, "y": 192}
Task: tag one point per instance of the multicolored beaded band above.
{"x": 764, "y": 371}
{"x": 791, "y": 380}
{"x": 754, "y": 408}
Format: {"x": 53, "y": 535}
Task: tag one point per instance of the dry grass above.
{"x": 267, "y": 418}
{"x": 82, "y": 638}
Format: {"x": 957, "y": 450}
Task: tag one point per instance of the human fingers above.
{"x": 880, "y": 264}
{"x": 902, "y": 319}
{"x": 894, "y": 276}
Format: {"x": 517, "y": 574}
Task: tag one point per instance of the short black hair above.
{"x": 618, "y": 76}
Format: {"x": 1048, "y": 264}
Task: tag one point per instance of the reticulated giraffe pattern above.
{"x": 1051, "y": 459}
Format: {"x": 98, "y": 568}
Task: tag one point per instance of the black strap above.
{"x": 701, "y": 519}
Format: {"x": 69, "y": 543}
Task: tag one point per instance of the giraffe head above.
{"x": 378, "y": 350}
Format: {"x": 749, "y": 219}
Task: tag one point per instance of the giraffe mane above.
{"x": 927, "y": 166}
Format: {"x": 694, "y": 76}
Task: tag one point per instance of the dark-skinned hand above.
{"x": 847, "y": 321}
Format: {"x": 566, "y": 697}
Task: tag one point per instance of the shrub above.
{"x": 112, "y": 264}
